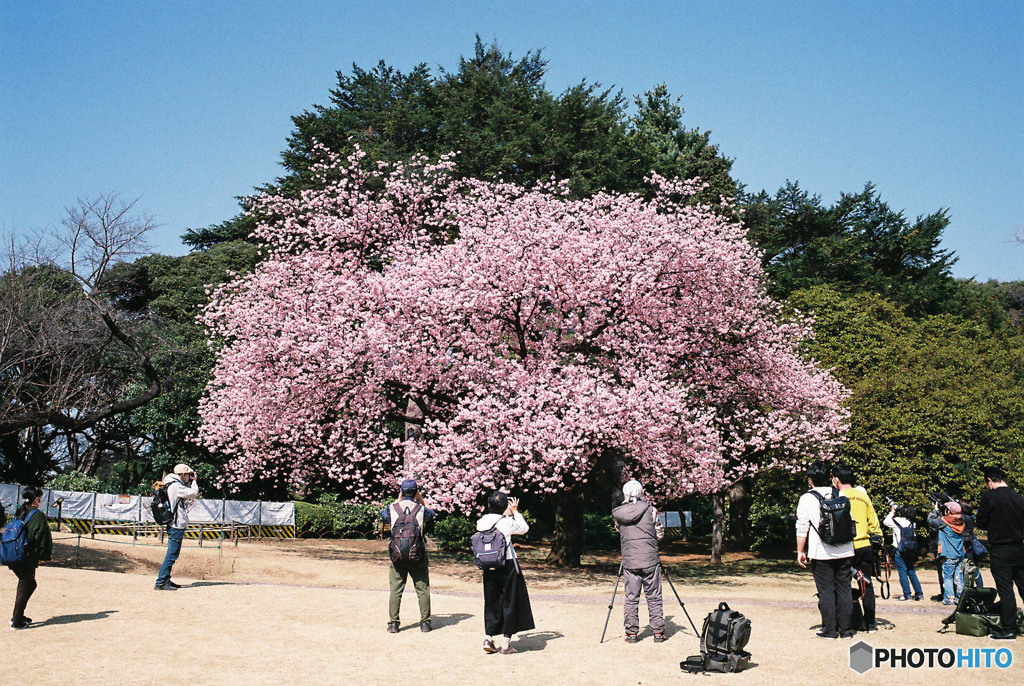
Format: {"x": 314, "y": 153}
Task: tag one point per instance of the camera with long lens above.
{"x": 891, "y": 502}
{"x": 939, "y": 500}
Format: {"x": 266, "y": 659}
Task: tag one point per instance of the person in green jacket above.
{"x": 40, "y": 546}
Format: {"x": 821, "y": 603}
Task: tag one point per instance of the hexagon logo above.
{"x": 862, "y": 657}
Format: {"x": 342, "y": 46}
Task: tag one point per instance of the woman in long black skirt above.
{"x": 506, "y": 602}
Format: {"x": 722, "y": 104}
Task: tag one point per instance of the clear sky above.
{"x": 188, "y": 104}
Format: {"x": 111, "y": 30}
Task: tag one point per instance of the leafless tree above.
{"x": 69, "y": 359}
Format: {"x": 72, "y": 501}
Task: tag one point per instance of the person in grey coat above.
{"x": 639, "y": 533}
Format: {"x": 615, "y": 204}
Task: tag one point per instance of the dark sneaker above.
{"x": 850, "y": 634}
{"x": 631, "y": 638}
{"x": 489, "y": 647}
{"x": 425, "y": 626}
{"x": 165, "y": 587}
{"x": 171, "y": 583}
{"x": 20, "y": 625}
{"x": 871, "y": 629}
{"x": 659, "y": 638}
{"x": 936, "y": 598}
{"x": 827, "y": 636}
{"x": 392, "y": 627}
{"x": 1003, "y": 636}
{"x": 919, "y": 597}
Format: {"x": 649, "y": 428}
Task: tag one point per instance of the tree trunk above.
{"x": 739, "y": 513}
{"x": 717, "y": 527}
{"x": 412, "y": 433}
{"x": 567, "y": 546}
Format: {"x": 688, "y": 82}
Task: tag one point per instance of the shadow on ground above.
{"x": 535, "y": 640}
{"x": 75, "y": 619}
{"x": 442, "y": 621}
{"x": 66, "y": 553}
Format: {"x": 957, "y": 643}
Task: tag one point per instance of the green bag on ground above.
{"x": 977, "y": 625}
{"x": 977, "y": 614}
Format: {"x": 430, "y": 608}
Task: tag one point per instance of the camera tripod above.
{"x": 664, "y": 573}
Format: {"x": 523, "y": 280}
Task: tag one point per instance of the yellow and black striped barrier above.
{"x": 208, "y": 531}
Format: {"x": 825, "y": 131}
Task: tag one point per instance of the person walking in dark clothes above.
{"x": 506, "y": 603}
{"x": 1001, "y": 512}
{"x": 39, "y": 547}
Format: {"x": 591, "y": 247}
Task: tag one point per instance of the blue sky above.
{"x": 188, "y": 104}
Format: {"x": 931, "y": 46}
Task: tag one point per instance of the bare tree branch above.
{"x": 69, "y": 359}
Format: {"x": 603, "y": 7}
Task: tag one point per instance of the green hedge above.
{"x": 599, "y": 532}
{"x": 330, "y": 518}
{"x": 453, "y": 532}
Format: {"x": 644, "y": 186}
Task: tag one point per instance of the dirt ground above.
{"x": 301, "y": 612}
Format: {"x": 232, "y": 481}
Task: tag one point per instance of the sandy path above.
{"x": 299, "y": 613}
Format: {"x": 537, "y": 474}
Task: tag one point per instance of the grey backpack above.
{"x": 489, "y": 548}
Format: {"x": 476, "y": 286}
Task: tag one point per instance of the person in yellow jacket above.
{"x": 866, "y": 521}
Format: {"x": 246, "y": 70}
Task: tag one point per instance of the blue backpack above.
{"x": 15, "y": 540}
{"x": 908, "y": 543}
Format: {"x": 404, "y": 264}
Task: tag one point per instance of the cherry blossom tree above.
{"x": 538, "y": 343}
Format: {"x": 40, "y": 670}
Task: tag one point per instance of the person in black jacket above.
{"x": 40, "y": 546}
{"x": 1001, "y": 512}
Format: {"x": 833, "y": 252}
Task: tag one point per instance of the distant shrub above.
{"x": 356, "y": 519}
{"x": 76, "y": 481}
{"x": 330, "y": 518}
{"x": 599, "y": 532}
{"x": 313, "y": 521}
{"x": 453, "y": 532}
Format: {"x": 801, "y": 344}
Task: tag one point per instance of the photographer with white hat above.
{"x": 182, "y": 492}
{"x": 639, "y": 531}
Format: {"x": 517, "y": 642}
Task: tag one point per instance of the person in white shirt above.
{"x": 831, "y": 565}
{"x": 182, "y": 492}
{"x": 901, "y": 521}
{"x": 506, "y": 603}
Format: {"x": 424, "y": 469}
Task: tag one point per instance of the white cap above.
{"x": 182, "y": 468}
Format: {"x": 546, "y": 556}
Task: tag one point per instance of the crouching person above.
{"x": 639, "y": 533}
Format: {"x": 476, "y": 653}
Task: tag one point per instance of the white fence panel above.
{"x": 76, "y": 505}
{"x": 278, "y": 514}
{"x": 244, "y": 511}
{"x": 125, "y": 508}
{"x": 204, "y": 511}
{"x": 10, "y": 496}
{"x": 119, "y": 508}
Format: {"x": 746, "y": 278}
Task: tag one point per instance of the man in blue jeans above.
{"x": 182, "y": 492}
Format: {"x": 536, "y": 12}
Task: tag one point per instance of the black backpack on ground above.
{"x": 836, "y": 525}
{"x": 407, "y": 546}
{"x": 163, "y": 513}
{"x": 725, "y": 634}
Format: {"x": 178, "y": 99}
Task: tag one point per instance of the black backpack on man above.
{"x": 836, "y": 524}
{"x": 407, "y": 546}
